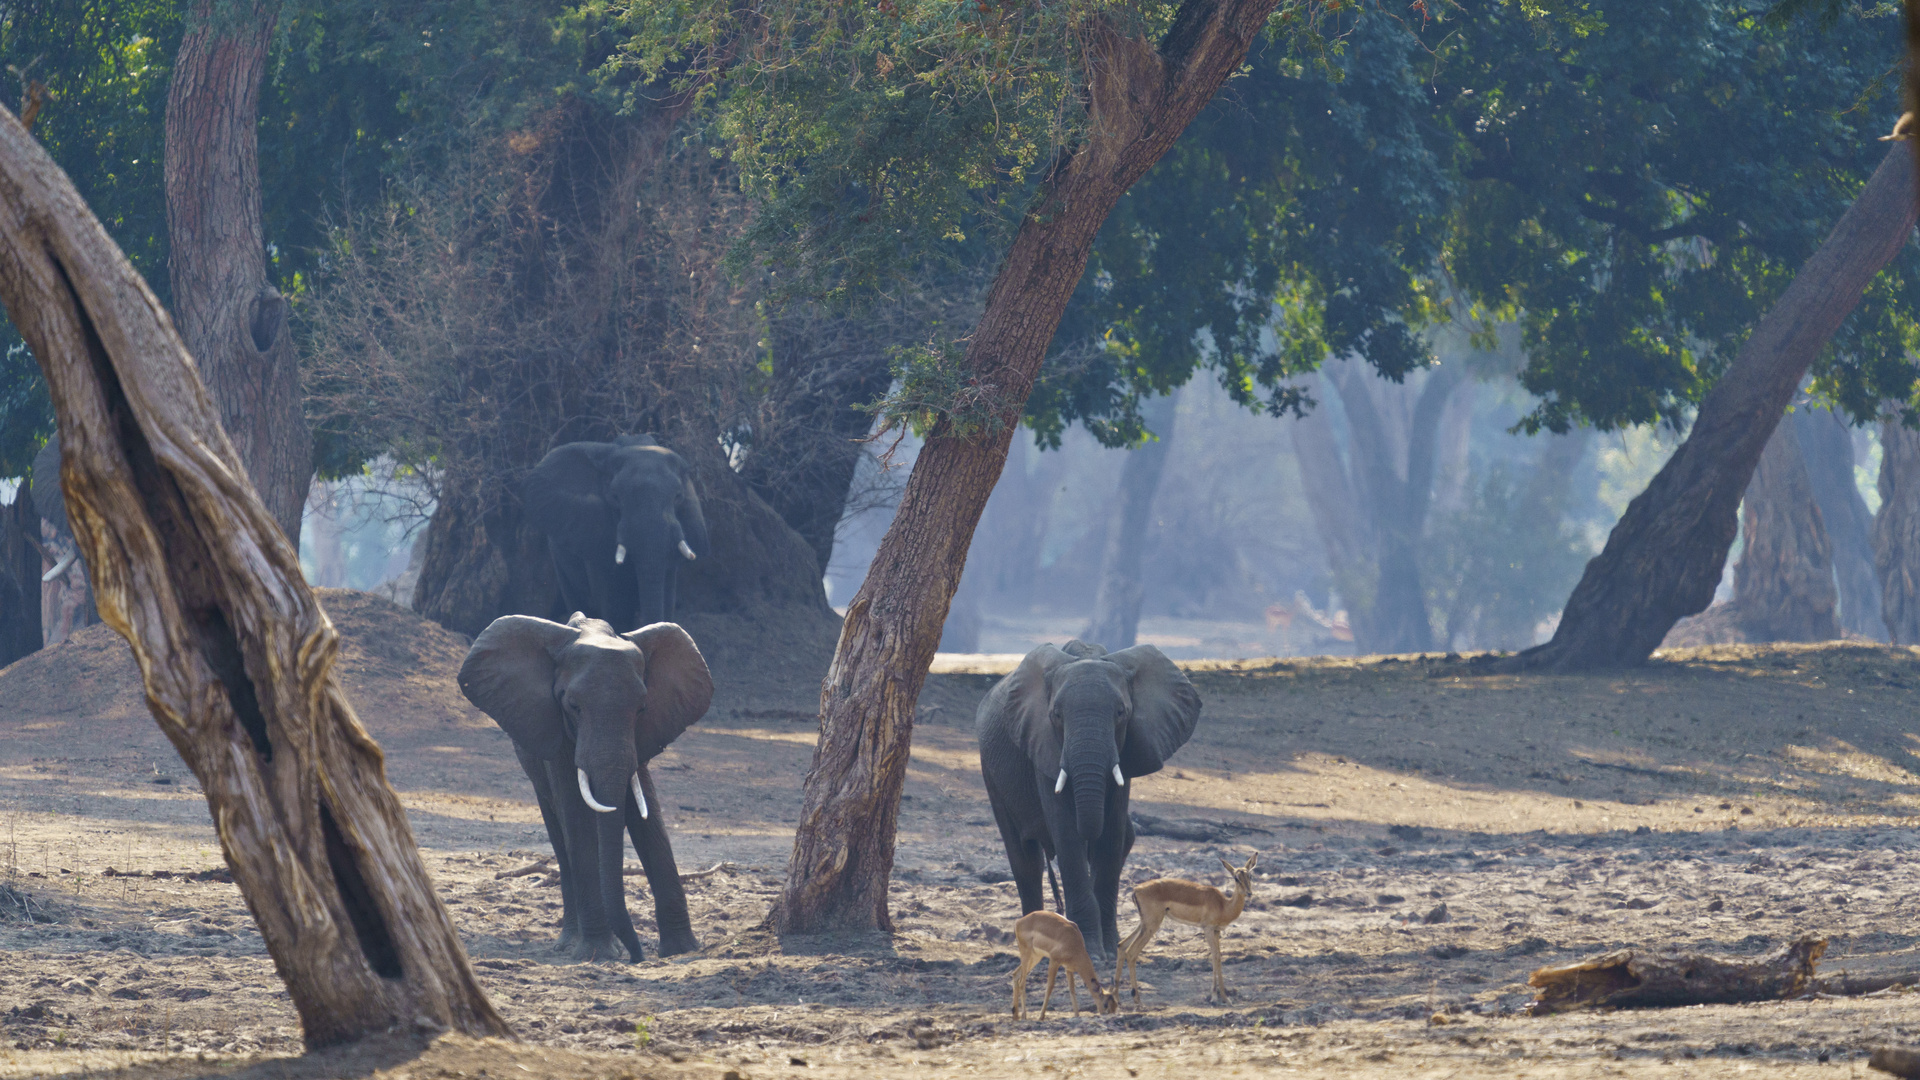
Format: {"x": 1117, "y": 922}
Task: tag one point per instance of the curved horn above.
{"x": 1118, "y": 778}
{"x": 687, "y": 552}
{"x": 66, "y": 560}
{"x": 586, "y": 792}
{"x": 639, "y": 796}
{"x": 619, "y": 553}
{"x": 1060, "y": 785}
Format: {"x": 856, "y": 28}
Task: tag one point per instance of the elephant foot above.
{"x": 681, "y": 941}
{"x": 569, "y": 940}
{"x": 594, "y": 948}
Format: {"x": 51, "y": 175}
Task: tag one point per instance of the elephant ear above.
{"x": 679, "y": 686}
{"x": 508, "y": 674}
{"x": 1028, "y": 698}
{"x": 1165, "y": 707}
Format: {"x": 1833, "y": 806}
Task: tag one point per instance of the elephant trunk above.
{"x": 1089, "y": 758}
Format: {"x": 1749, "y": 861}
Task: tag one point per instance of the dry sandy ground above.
{"x": 1426, "y": 837}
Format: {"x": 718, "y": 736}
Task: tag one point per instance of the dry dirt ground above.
{"x": 1427, "y": 838}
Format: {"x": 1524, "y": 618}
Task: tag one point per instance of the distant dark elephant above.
{"x": 587, "y": 709}
{"x": 620, "y": 518}
{"x": 50, "y": 501}
{"x": 1059, "y": 738}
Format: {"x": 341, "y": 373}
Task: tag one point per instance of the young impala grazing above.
{"x": 1184, "y": 901}
{"x": 1055, "y": 937}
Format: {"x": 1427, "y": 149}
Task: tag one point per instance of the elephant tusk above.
{"x": 66, "y": 560}
{"x": 639, "y": 796}
{"x": 687, "y": 552}
{"x": 1118, "y": 778}
{"x": 619, "y": 553}
{"x": 586, "y": 792}
{"x": 1060, "y": 785}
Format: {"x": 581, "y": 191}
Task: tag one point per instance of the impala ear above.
{"x": 1165, "y": 708}
{"x": 508, "y": 674}
{"x": 679, "y": 686}
{"x": 1231, "y": 869}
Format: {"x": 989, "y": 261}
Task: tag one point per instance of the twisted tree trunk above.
{"x": 1116, "y": 605}
{"x": 1664, "y": 557}
{"x": 234, "y": 322}
{"x": 236, "y": 655}
{"x": 1140, "y": 99}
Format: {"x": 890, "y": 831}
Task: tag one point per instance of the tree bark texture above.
{"x": 1827, "y": 446}
{"x": 234, "y": 322}
{"x": 1636, "y": 978}
{"x": 19, "y": 578}
{"x": 1783, "y": 586}
{"x": 1665, "y": 556}
{"x": 1896, "y": 532}
{"x": 1139, "y": 100}
{"x": 1116, "y": 604}
{"x": 236, "y": 655}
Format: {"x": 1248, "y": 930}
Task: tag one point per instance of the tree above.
{"x": 235, "y": 652}
{"x": 1827, "y": 445}
{"x": 1664, "y": 558}
{"x": 1783, "y": 587}
{"x": 1116, "y": 603}
{"x": 1896, "y": 531}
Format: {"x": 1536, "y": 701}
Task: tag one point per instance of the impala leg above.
{"x": 1020, "y": 985}
{"x": 1141, "y": 938}
{"x": 1073, "y": 994}
{"x": 1219, "y": 980}
{"x": 1053, "y": 971}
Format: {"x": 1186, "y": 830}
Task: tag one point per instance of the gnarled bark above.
{"x": 1140, "y": 99}
{"x": 234, "y": 322}
{"x": 236, "y": 655}
{"x": 1665, "y": 556}
{"x": 1116, "y": 604}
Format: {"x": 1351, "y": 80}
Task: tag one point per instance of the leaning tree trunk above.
{"x": 1783, "y": 586}
{"x": 1896, "y": 532}
{"x": 236, "y": 655}
{"x": 1827, "y": 447}
{"x": 19, "y": 578}
{"x": 1116, "y": 604}
{"x": 1139, "y": 99}
{"x": 1664, "y": 558}
{"x": 234, "y": 322}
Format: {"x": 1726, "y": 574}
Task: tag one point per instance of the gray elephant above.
{"x": 50, "y": 502}
{"x": 587, "y": 709}
{"x": 1060, "y": 737}
{"x": 620, "y": 518}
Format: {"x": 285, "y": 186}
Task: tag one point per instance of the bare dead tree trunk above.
{"x": 233, "y": 320}
{"x": 1140, "y": 97}
{"x": 1827, "y": 445}
{"x": 1116, "y": 605}
{"x": 1636, "y": 978}
{"x": 236, "y": 655}
{"x": 19, "y": 578}
{"x": 1664, "y": 557}
{"x": 1783, "y": 585}
{"x": 1896, "y": 532}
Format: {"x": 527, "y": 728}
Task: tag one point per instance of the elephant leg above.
{"x": 584, "y": 842}
{"x": 651, "y": 843}
{"x": 650, "y": 599}
{"x": 1109, "y": 858}
{"x": 612, "y": 882}
{"x": 550, "y": 816}
{"x": 670, "y": 592}
{"x": 576, "y": 589}
{"x": 613, "y": 589}
{"x": 1025, "y": 859}
{"x": 1076, "y": 880}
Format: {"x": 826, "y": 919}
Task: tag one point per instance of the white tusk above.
{"x": 1117, "y": 778}
{"x": 687, "y": 552}
{"x": 639, "y": 797}
{"x": 59, "y": 568}
{"x": 619, "y": 553}
{"x": 586, "y": 792}
{"x": 1060, "y": 785}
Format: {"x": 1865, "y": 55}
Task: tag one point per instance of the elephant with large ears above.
{"x": 587, "y": 709}
{"x": 1060, "y": 737}
{"x": 620, "y": 518}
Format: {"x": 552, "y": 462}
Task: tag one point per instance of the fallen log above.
{"x": 1635, "y": 978}
{"x": 1896, "y": 1060}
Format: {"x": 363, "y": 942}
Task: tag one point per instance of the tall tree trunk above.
{"x": 19, "y": 578}
{"x": 1896, "y": 532}
{"x": 1139, "y": 99}
{"x": 233, "y": 320}
{"x": 1827, "y": 446}
{"x": 1664, "y": 557}
{"x": 1783, "y": 586}
{"x": 1116, "y": 604}
{"x": 236, "y": 655}
{"x": 1337, "y": 518}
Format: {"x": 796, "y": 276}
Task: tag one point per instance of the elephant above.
{"x": 50, "y": 502}
{"x": 581, "y": 697}
{"x": 620, "y": 518}
{"x": 1060, "y": 737}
